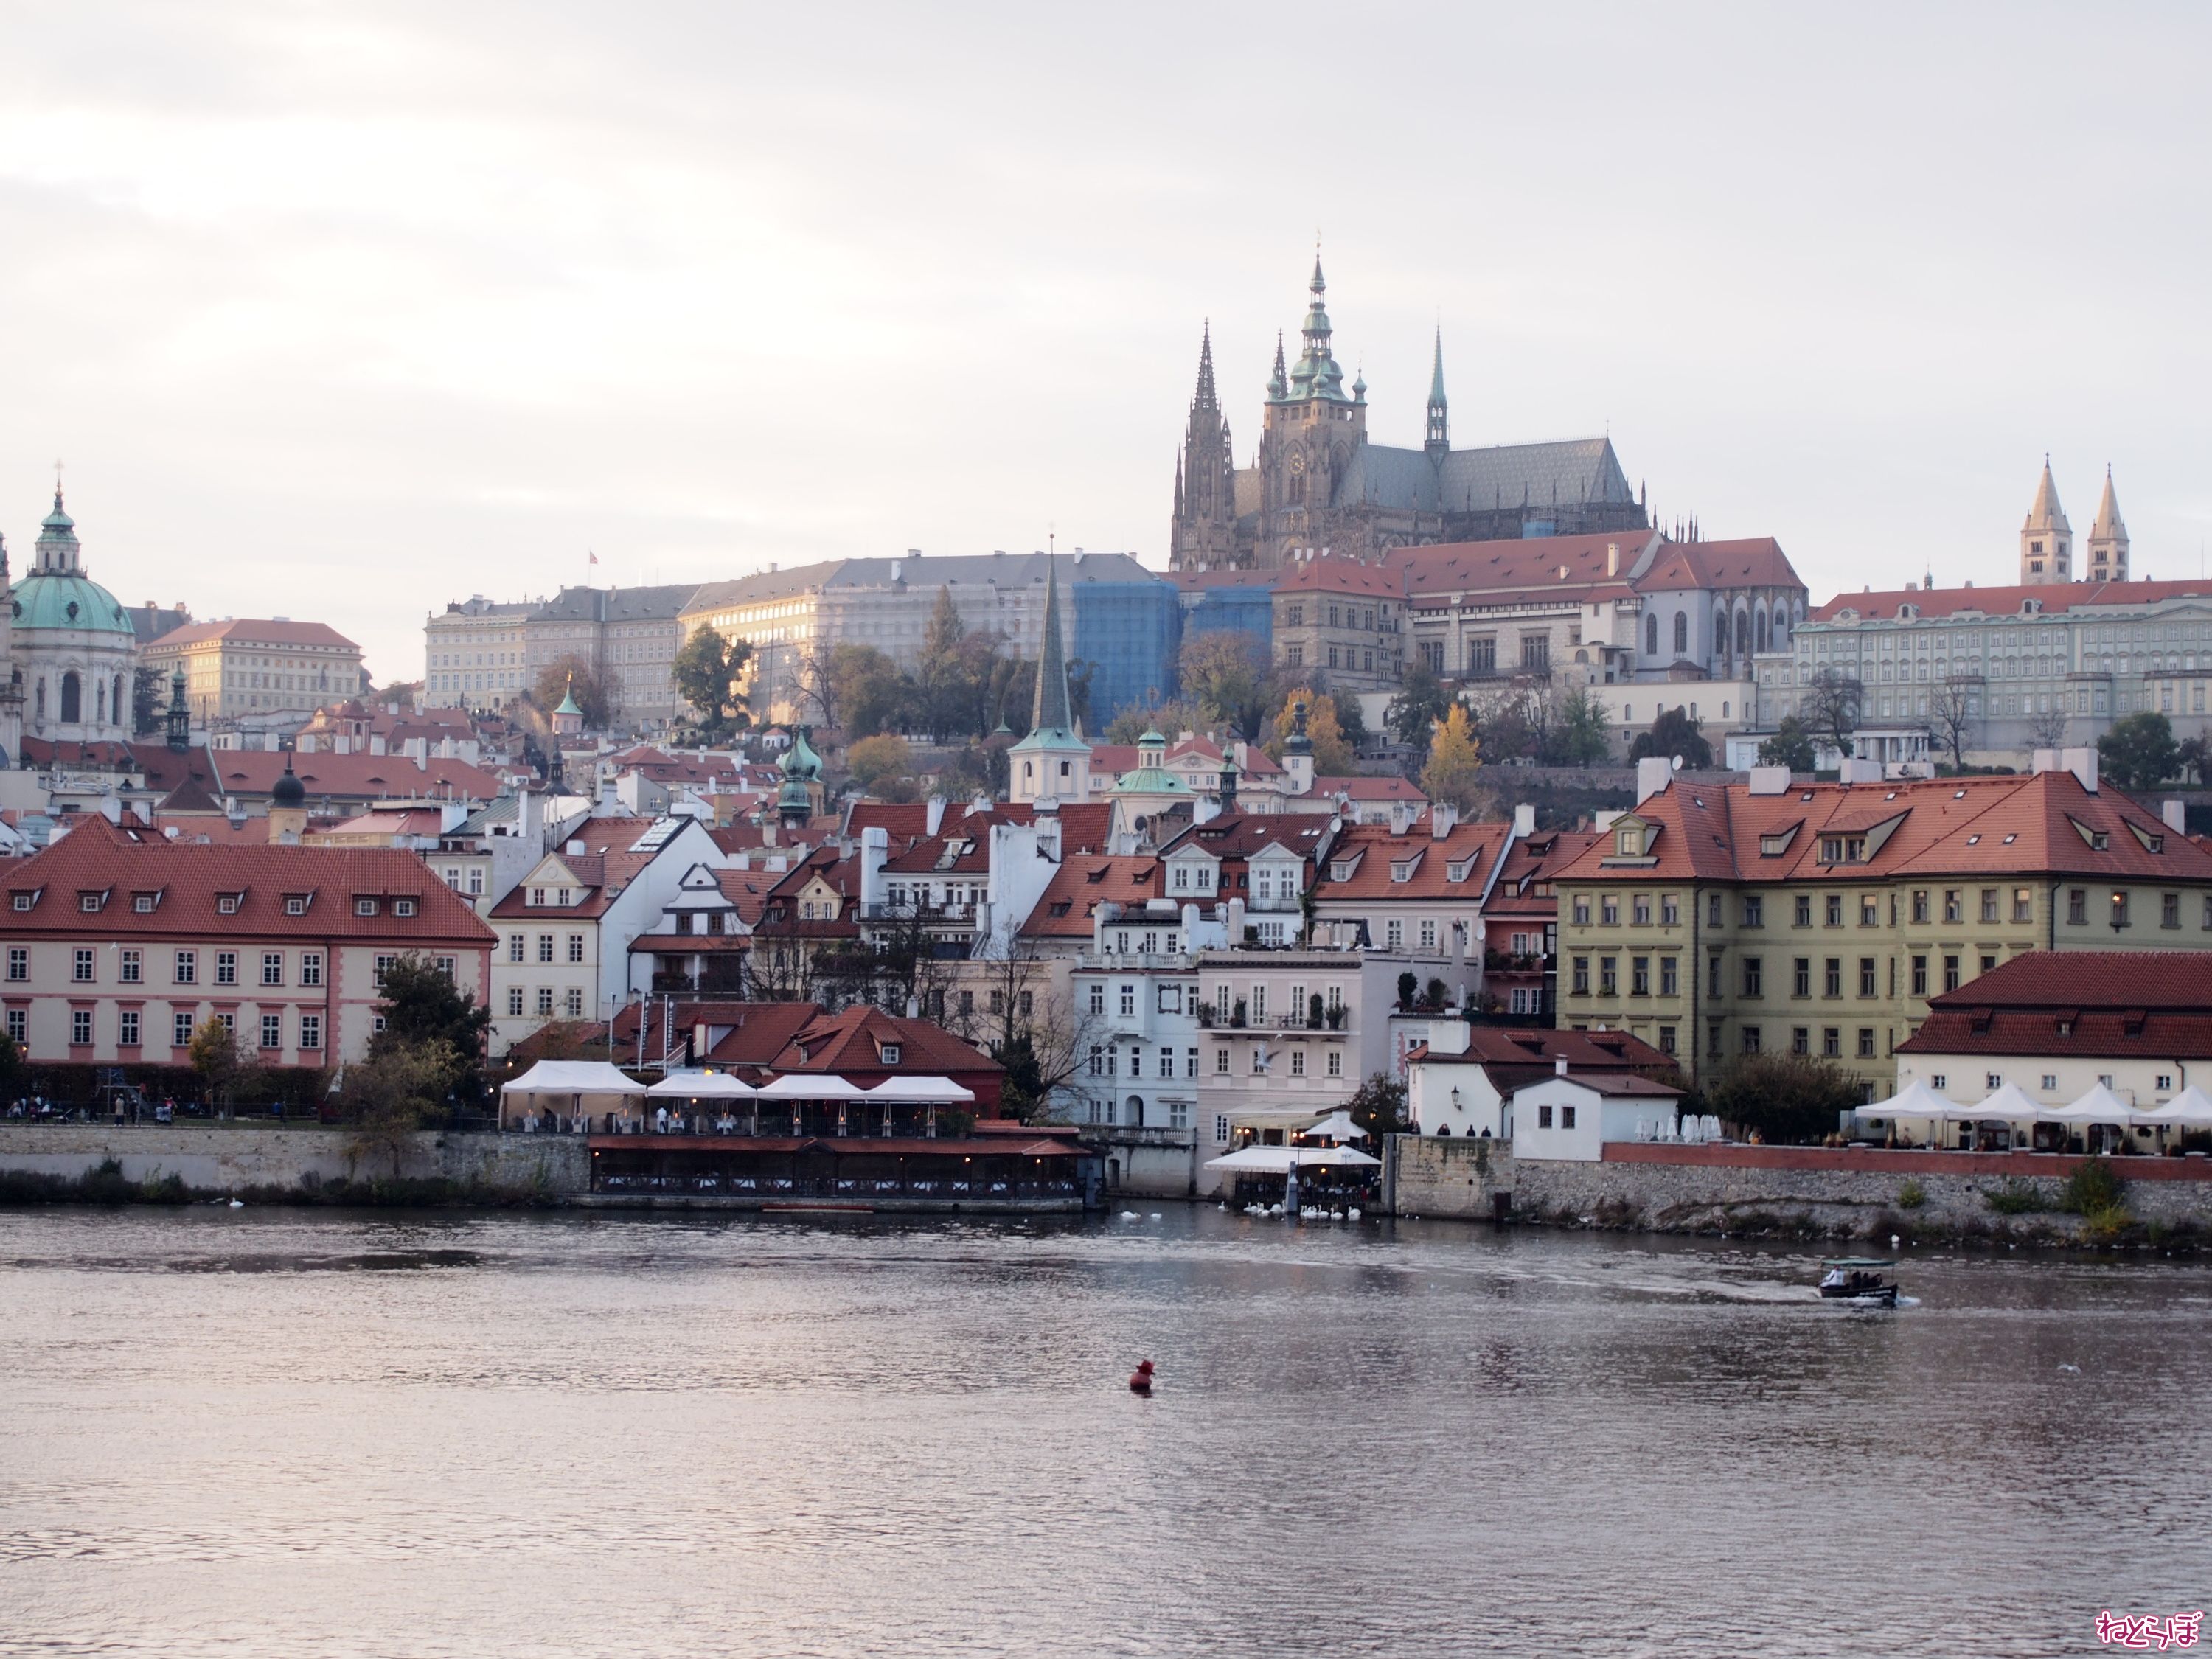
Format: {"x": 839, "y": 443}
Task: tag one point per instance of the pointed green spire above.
{"x": 1048, "y": 709}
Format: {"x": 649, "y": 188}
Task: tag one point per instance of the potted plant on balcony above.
{"x": 1314, "y": 1011}
{"x": 1237, "y": 1013}
{"x": 1408, "y": 985}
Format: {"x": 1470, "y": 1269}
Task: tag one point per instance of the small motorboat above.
{"x": 1858, "y": 1279}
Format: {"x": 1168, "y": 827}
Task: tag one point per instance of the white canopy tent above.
{"x": 567, "y": 1088}
{"x": 1917, "y": 1100}
{"x": 921, "y": 1092}
{"x": 2100, "y": 1105}
{"x": 2190, "y": 1109}
{"x": 810, "y": 1085}
{"x": 1337, "y": 1127}
{"x": 703, "y": 1086}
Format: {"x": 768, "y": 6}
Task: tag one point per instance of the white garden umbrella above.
{"x": 921, "y": 1091}
{"x": 1338, "y": 1127}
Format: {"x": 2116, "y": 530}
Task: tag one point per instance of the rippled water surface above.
{"x": 265, "y": 1432}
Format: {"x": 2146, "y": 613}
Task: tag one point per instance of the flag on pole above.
{"x": 594, "y": 556}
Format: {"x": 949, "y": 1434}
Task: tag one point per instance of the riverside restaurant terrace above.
{"x": 818, "y": 1142}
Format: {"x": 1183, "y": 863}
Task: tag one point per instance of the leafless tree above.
{"x": 817, "y": 686}
{"x": 2046, "y": 728}
{"x": 1832, "y": 707}
{"x": 1950, "y": 716}
{"x": 1019, "y": 1011}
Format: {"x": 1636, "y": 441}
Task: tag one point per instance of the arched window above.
{"x": 117, "y": 703}
{"x": 1742, "y": 632}
{"x": 42, "y": 698}
{"x": 100, "y": 701}
{"x": 1651, "y": 635}
{"x": 72, "y": 698}
{"x": 1758, "y": 629}
{"x": 1682, "y": 633}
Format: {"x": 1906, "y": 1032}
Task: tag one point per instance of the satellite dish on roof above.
{"x": 1678, "y": 763}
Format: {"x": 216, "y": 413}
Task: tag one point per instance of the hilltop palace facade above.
{"x": 1317, "y": 481}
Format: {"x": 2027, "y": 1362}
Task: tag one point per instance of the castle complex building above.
{"x": 1318, "y": 483}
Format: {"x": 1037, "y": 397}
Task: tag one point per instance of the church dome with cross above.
{"x": 72, "y": 641}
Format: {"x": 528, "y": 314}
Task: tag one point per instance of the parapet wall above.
{"x": 220, "y": 1160}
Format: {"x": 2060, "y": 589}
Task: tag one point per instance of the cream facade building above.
{"x": 476, "y": 654}
{"x": 258, "y": 672}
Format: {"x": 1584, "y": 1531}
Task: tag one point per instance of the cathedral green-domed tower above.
{"x": 72, "y": 641}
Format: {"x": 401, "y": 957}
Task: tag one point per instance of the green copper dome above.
{"x": 67, "y": 601}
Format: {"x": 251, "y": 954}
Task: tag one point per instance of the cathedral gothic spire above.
{"x": 1203, "y": 536}
{"x": 1438, "y": 440}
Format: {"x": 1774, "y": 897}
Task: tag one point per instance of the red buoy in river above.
{"x": 1141, "y": 1380}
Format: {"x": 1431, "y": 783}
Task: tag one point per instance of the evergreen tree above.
{"x": 2139, "y": 752}
{"x": 1674, "y": 733}
{"x": 1422, "y": 700}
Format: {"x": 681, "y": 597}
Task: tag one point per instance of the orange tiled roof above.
{"x": 1081, "y": 884}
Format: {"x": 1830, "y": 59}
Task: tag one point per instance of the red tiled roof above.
{"x": 1364, "y": 787}
{"x": 1238, "y": 834}
{"x": 2151, "y": 1004}
{"x": 747, "y": 889}
{"x": 1532, "y": 564}
{"x": 2052, "y": 597}
{"x": 850, "y": 1044}
{"x": 1991, "y": 826}
{"x": 1081, "y": 884}
{"x": 1343, "y": 576}
{"x": 117, "y": 865}
{"x": 1371, "y": 849}
{"x": 1757, "y": 561}
{"x": 1532, "y": 861}
{"x": 750, "y": 1034}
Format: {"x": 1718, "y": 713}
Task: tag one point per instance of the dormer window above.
{"x": 226, "y": 904}
{"x": 890, "y": 1052}
{"x": 91, "y": 901}
{"x": 364, "y": 906}
{"x": 25, "y": 901}
{"x": 564, "y": 896}
{"x": 143, "y": 903}
{"x": 1842, "y": 849}
{"x": 1628, "y": 841}
{"x": 295, "y": 904}
{"x": 403, "y": 907}
{"x": 537, "y": 895}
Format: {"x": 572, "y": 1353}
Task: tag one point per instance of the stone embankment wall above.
{"x": 1733, "y": 1188}
{"x": 1440, "y": 1176}
{"x": 221, "y": 1159}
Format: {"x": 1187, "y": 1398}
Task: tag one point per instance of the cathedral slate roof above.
{"x": 1504, "y": 475}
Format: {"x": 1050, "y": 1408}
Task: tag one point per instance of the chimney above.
{"x": 529, "y": 818}
{"x": 1558, "y": 1066}
{"x": 936, "y": 811}
{"x": 1612, "y": 558}
{"x": 1449, "y": 1037}
{"x": 1401, "y": 817}
{"x": 375, "y": 744}
{"x": 1855, "y": 770}
{"x": 2171, "y": 813}
{"x": 1770, "y": 780}
{"x": 1524, "y": 822}
{"x": 1652, "y": 774}
{"x": 2082, "y": 764}
{"x": 1236, "y": 907}
{"x": 1443, "y": 816}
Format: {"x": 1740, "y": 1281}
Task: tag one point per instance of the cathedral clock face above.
{"x": 1298, "y": 460}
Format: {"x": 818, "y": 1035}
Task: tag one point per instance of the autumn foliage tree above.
{"x": 1455, "y": 761}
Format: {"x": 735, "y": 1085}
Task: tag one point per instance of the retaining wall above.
{"x": 1709, "y": 1188}
{"x": 218, "y": 1159}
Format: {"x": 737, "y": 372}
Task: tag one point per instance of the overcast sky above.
{"x": 345, "y": 310}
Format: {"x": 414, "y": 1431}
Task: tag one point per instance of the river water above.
{"x": 300, "y": 1432}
